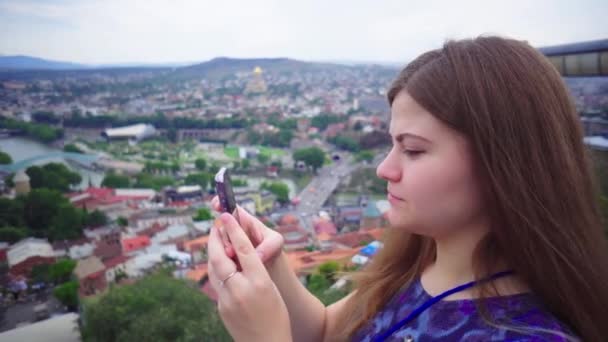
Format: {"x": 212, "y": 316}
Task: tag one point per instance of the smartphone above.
{"x": 223, "y": 187}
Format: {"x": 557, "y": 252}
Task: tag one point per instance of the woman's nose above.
{"x": 388, "y": 169}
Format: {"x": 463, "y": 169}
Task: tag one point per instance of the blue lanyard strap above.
{"x": 434, "y": 300}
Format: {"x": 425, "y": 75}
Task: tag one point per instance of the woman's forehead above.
{"x": 408, "y": 117}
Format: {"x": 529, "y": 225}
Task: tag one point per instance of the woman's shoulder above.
{"x": 460, "y": 319}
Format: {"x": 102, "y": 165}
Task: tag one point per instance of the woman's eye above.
{"x": 413, "y": 153}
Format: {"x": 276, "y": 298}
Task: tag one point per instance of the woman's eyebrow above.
{"x": 401, "y": 136}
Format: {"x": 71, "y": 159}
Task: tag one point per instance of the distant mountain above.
{"x": 34, "y": 63}
{"x": 221, "y": 66}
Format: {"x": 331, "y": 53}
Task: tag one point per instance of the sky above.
{"x": 163, "y": 31}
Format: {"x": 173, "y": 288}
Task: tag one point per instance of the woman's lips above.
{"x": 393, "y": 198}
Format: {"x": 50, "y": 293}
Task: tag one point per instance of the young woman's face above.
{"x": 431, "y": 186}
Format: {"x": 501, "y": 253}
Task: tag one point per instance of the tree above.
{"x": 96, "y": 219}
{"x": 67, "y": 294}
{"x": 40, "y": 273}
{"x": 72, "y": 148}
{"x": 312, "y": 156}
{"x": 201, "y": 179}
{"x": 112, "y": 180}
{"x": 52, "y": 176}
{"x": 329, "y": 269}
{"x": 200, "y": 164}
{"x": 61, "y": 271}
{"x": 366, "y": 155}
{"x": 11, "y": 212}
{"x": 245, "y": 164}
{"x": 156, "y": 308}
{"x": 12, "y": 234}
{"x": 67, "y": 223}
{"x": 203, "y": 214}
{"x": 5, "y": 158}
{"x": 144, "y": 180}
{"x": 121, "y": 221}
{"x": 40, "y": 207}
{"x": 262, "y": 158}
{"x": 281, "y": 190}
{"x": 345, "y": 143}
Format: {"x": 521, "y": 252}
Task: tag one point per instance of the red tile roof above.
{"x": 324, "y": 226}
{"x": 288, "y": 219}
{"x": 115, "y": 261}
{"x": 133, "y": 244}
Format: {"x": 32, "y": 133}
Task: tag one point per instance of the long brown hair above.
{"x": 527, "y": 143}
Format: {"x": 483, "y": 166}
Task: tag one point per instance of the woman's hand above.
{"x": 249, "y": 304}
{"x": 267, "y": 242}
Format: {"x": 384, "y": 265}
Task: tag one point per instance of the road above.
{"x": 321, "y": 187}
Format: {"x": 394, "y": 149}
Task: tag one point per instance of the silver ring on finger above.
{"x": 228, "y": 277}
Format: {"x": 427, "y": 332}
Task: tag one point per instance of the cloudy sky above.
{"x": 150, "y": 31}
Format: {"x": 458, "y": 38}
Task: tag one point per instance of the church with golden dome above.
{"x": 256, "y": 84}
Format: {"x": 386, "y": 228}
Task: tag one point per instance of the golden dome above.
{"x": 257, "y": 70}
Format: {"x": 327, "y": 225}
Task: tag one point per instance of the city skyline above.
{"x": 159, "y": 31}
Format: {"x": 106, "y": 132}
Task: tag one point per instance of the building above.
{"x": 115, "y": 267}
{"x": 75, "y": 249}
{"x": 295, "y": 237}
{"x": 188, "y": 193}
{"x": 27, "y": 253}
{"x": 256, "y": 84}
{"x": 133, "y": 133}
{"x": 108, "y": 244}
{"x": 348, "y": 216}
{"x": 22, "y": 183}
{"x": 372, "y": 217}
{"x": 133, "y": 244}
{"x": 147, "y": 219}
{"x": 91, "y": 276}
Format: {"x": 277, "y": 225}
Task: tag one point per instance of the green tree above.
{"x": 11, "y": 212}
{"x": 281, "y": 190}
{"x": 112, "y": 180}
{"x": 203, "y": 214}
{"x": 345, "y": 143}
{"x": 323, "y": 120}
{"x": 53, "y": 176}
{"x": 12, "y": 234}
{"x": 96, "y": 219}
{"x": 40, "y": 207}
{"x": 5, "y": 158}
{"x": 67, "y": 294}
{"x": 61, "y": 271}
{"x": 201, "y": 164}
{"x": 312, "y": 156}
{"x": 263, "y": 158}
{"x": 67, "y": 223}
{"x": 201, "y": 179}
{"x": 121, "y": 221}
{"x": 156, "y": 308}
{"x": 366, "y": 155}
{"x": 329, "y": 269}
{"x": 40, "y": 273}
{"x": 72, "y": 148}
{"x": 144, "y": 180}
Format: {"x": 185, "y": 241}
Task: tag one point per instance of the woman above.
{"x": 490, "y": 188}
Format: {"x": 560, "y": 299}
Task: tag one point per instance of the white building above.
{"x": 27, "y": 248}
{"x": 134, "y": 132}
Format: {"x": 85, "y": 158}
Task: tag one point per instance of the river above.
{"x": 21, "y": 148}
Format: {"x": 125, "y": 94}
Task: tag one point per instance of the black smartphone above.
{"x": 223, "y": 187}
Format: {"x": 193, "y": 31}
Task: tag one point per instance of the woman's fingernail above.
{"x": 225, "y": 218}
{"x": 260, "y": 255}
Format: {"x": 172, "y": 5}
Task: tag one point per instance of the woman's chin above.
{"x": 397, "y": 217}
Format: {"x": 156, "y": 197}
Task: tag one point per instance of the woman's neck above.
{"x": 453, "y": 266}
